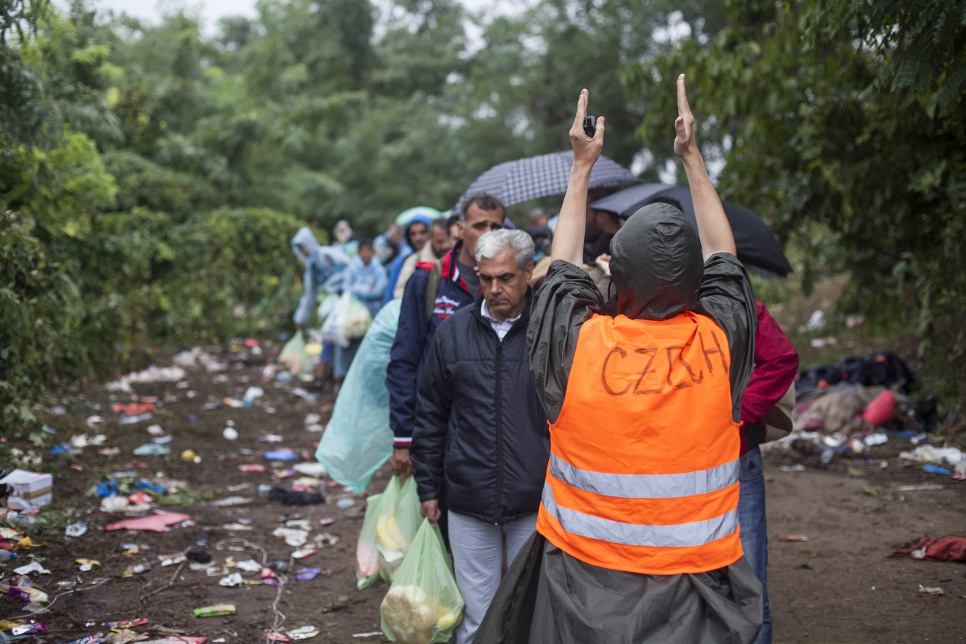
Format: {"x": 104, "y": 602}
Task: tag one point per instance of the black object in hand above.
{"x": 590, "y": 126}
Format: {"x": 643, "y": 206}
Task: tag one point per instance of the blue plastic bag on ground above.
{"x": 357, "y": 440}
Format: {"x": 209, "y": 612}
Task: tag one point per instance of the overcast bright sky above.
{"x": 213, "y": 10}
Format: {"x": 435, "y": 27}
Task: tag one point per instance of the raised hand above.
{"x": 586, "y": 150}
{"x": 684, "y": 140}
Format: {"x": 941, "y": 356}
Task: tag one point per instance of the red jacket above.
{"x": 776, "y": 363}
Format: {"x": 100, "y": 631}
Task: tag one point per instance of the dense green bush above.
{"x": 40, "y": 315}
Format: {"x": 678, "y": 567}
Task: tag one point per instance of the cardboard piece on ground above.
{"x": 155, "y": 522}
{"x": 29, "y": 489}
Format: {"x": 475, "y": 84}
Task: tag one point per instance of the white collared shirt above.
{"x": 501, "y": 328}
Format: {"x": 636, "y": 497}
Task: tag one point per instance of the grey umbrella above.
{"x": 754, "y": 240}
{"x": 540, "y": 176}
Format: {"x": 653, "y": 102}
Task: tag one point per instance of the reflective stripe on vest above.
{"x": 640, "y": 486}
{"x": 682, "y": 535}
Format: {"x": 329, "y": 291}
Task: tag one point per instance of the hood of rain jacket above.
{"x": 656, "y": 264}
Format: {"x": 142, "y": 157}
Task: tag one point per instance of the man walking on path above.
{"x": 481, "y": 440}
{"x": 457, "y": 286}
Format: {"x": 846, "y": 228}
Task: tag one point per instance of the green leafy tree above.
{"x": 845, "y": 121}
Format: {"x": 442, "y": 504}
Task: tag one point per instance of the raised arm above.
{"x": 568, "y": 240}
{"x": 713, "y": 227}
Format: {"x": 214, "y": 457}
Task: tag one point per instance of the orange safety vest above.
{"x": 643, "y": 472}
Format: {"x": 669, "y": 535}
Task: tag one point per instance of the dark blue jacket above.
{"x": 481, "y": 442}
{"x": 414, "y": 337}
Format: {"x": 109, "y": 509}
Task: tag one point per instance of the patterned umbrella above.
{"x": 525, "y": 179}
{"x": 754, "y": 240}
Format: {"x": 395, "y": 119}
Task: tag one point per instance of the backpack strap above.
{"x": 432, "y": 288}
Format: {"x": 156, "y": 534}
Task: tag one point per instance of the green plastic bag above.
{"x": 357, "y": 440}
{"x": 424, "y": 604}
{"x": 296, "y": 359}
{"x": 388, "y": 528}
{"x": 327, "y": 302}
{"x": 367, "y": 556}
{"x": 396, "y": 525}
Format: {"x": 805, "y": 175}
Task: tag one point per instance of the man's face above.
{"x": 365, "y": 254}
{"x": 504, "y": 284}
{"x": 440, "y": 240}
{"x": 479, "y": 221}
{"x": 418, "y": 235}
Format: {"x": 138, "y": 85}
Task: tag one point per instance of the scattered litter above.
{"x": 935, "y": 469}
{"x": 28, "y": 490}
{"x": 152, "y": 449}
{"x": 270, "y": 438}
{"x": 87, "y": 564}
{"x": 308, "y": 574}
{"x": 155, "y": 523}
{"x": 232, "y": 500}
{"x": 249, "y": 565}
{"x": 345, "y": 504}
{"x": 281, "y": 455}
{"x": 326, "y": 521}
{"x": 252, "y": 467}
{"x": 215, "y": 610}
{"x": 32, "y": 567}
{"x": 932, "y": 454}
{"x": 189, "y": 456}
{"x": 230, "y": 433}
{"x": 797, "y": 467}
{"x": 133, "y": 420}
{"x": 369, "y": 634}
{"x": 293, "y": 537}
{"x": 302, "y": 554}
{"x": 930, "y": 591}
{"x": 303, "y": 633}
{"x": 29, "y": 629}
{"x": 233, "y": 580}
{"x": 76, "y": 529}
{"x": 310, "y": 469}
{"x": 172, "y": 560}
{"x": 919, "y": 488}
{"x": 792, "y": 538}
{"x": 878, "y": 438}
{"x": 129, "y": 623}
{"x": 155, "y": 430}
{"x": 947, "y": 549}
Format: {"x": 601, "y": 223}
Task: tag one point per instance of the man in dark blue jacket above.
{"x": 481, "y": 441}
{"x": 458, "y": 286}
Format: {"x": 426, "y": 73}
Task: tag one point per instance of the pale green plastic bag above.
{"x": 367, "y": 556}
{"x": 396, "y": 525}
{"x": 424, "y": 604}
{"x": 296, "y": 359}
{"x": 357, "y": 440}
{"x": 388, "y": 529}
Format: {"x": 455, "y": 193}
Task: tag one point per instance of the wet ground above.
{"x": 838, "y": 586}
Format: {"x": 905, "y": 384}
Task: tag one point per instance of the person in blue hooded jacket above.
{"x": 322, "y": 264}
{"x": 366, "y": 279}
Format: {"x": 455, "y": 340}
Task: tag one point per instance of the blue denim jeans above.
{"x": 754, "y": 533}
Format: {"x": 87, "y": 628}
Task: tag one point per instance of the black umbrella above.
{"x": 755, "y": 242}
{"x": 541, "y": 176}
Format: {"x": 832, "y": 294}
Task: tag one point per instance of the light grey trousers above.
{"x": 478, "y": 558}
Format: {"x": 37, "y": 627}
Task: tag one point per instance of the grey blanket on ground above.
{"x": 548, "y": 597}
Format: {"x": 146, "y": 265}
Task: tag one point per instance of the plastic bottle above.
{"x": 6, "y": 555}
